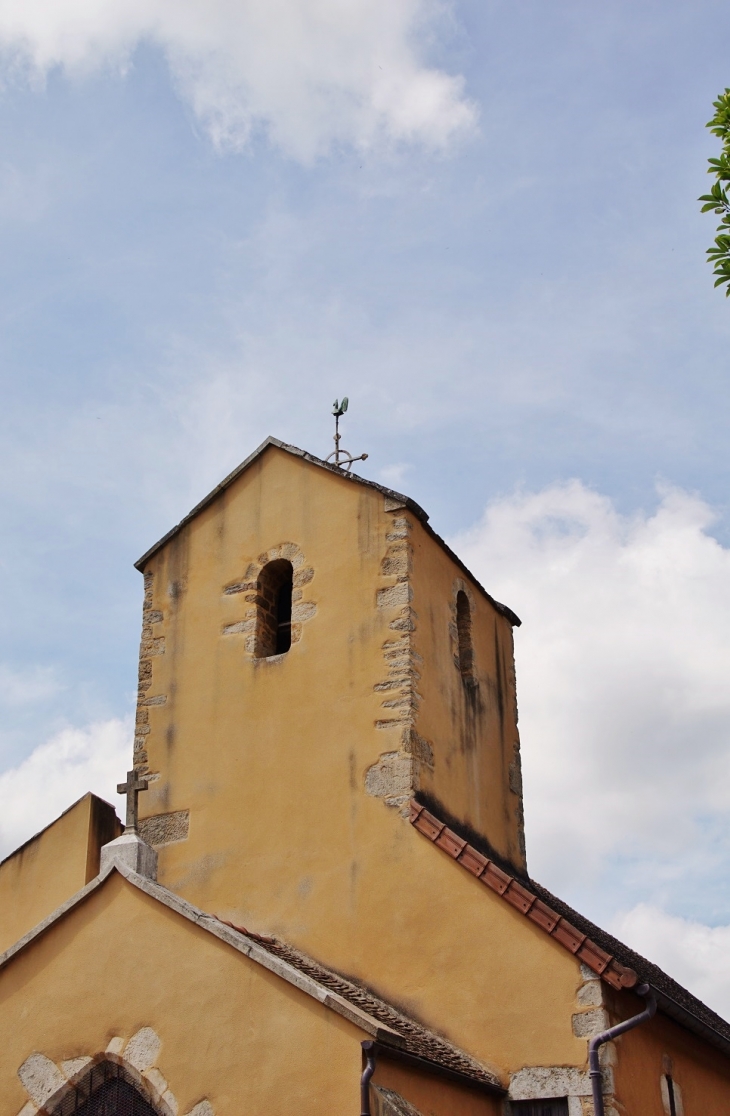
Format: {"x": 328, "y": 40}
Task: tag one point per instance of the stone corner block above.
{"x": 202, "y": 1108}
{"x": 171, "y": 1102}
{"x": 586, "y": 1024}
{"x": 74, "y": 1065}
{"x": 143, "y": 1049}
{"x": 41, "y": 1078}
{"x": 132, "y": 852}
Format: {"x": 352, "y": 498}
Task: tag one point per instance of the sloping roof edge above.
{"x": 247, "y": 945}
{"x": 30, "y": 840}
{"x": 614, "y": 962}
{"x": 398, "y": 497}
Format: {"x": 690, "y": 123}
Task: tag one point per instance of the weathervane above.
{"x": 342, "y": 459}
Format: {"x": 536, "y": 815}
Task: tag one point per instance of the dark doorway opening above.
{"x": 106, "y": 1090}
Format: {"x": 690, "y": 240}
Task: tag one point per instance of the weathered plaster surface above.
{"x": 239, "y": 941}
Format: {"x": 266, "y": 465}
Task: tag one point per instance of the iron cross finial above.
{"x": 341, "y": 457}
{"x": 134, "y": 784}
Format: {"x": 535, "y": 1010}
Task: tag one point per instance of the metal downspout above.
{"x": 596, "y": 1076}
{"x": 369, "y": 1051}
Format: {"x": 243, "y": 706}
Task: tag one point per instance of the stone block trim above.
{"x": 47, "y": 1084}
{"x": 522, "y": 899}
{"x": 395, "y": 775}
{"x": 151, "y": 646}
{"x": 165, "y": 829}
{"x": 538, "y": 1083}
{"x": 389, "y": 1103}
{"x": 248, "y": 586}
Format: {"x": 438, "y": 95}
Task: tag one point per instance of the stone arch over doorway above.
{"x": 107, "y": 1087}
{"x": 127, "y": 1066}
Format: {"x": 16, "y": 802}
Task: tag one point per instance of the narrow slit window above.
{"x": 463, "y": 627}
{"x": 273, "y": 609}
{"x": 283, "y": 617}
{"x": 671, "y": 1095}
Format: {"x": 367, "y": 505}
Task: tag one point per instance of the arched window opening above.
{"x": 106, "y": 1090}
{"x": 274, "y": 599}
{"x": 463, "y": 628}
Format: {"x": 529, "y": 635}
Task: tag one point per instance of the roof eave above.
{"x": 398, "y": 498}
{"x": 406, "y": 501}
{"x": 384, "y": 1047}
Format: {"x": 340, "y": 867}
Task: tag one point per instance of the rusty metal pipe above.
{"x": 596, "y": 1076}
{"x": 369, "y": 1051}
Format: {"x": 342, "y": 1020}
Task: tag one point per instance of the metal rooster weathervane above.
{"x": 342, "y": 459}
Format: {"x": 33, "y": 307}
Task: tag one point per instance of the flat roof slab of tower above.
{"x": 342, "y": 916}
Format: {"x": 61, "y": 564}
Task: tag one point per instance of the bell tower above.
{"x": 313, "y": 656}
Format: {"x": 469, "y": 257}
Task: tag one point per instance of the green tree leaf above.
{"x": 717, "y": 200}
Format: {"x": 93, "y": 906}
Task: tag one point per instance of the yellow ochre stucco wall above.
{"x": 430, "y": 1094}
{"x": 643, "y": 1056}
{"x": 472, "y": 729}
{"x": 278, "y": 800}
{"x": 287, "y": 765}
{"x": 52, "y": 866}
{"x": 232, "y": 1032}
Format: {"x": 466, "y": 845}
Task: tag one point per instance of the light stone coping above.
{"x": 130, "y": 850}
{"x": 389, "y": 1103}
{"x": 227, "y": 934}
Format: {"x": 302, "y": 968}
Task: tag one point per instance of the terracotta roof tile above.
{"x": 522, "y": 898}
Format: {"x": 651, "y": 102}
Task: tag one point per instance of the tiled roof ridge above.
{"x": 670, "y": 990}
{"x": 419, "y": 1039}
{"x": 523, "y": 900}
{"x": 534, "y": 901}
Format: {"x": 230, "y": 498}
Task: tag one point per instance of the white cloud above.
{"x": 57, "y": 773}
{"x": 396, "y": 474}
{"x": 696, "y": 955}
{"x": 311, "y": 73}
{"x": 622, "y": 670}
{"x": 27, "y": 687}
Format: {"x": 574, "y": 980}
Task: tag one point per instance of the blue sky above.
{"x": 479, "y": 221}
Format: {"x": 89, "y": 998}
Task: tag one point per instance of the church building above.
{"x": 320, "y": 901}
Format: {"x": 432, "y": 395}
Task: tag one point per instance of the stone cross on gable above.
{"x": 131, "y": 788}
